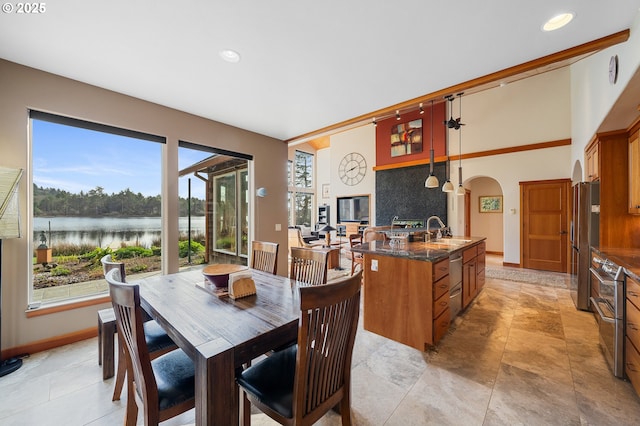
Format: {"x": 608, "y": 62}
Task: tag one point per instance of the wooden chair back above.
{"x": 326, "y": 335}
{"x": 372, "y": 234}
{"x": 125, "y": 299}
{"x": 308, "y": 266}
{"x": 108, "y": 264}
{"x": 264, "y": 256}
{"x": 356, "y": 258}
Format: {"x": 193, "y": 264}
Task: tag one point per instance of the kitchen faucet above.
{"x": 442, "y": 226}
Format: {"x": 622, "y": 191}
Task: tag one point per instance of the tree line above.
{"x": 96, "y": 203}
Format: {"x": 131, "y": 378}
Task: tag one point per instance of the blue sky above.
{"x": 74, "y": 159}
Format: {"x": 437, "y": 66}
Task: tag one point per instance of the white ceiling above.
{"x": 305, "y": 64}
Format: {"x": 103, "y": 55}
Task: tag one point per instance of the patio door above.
{"x": 231, "y": 212}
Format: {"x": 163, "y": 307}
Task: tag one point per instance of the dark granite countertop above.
{"x": 429, "y": 252}
{"x": 628, "y": 258}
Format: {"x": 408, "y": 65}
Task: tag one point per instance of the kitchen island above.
{"x": 407, "y": 286}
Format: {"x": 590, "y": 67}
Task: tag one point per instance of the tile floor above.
{"x": 521, "y": 354}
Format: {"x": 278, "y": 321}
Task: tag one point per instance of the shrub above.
{"x": 130, "y": 252}
{"x": 196, "y": 248}
{"x": 59, "y": 271}
{"x": 72, "y": 258}
{"x": 225, "y": 242}
{"x": 96, "y": 254}
{"x": 138, "y": 268}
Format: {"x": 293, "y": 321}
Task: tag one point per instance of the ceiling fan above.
{"x": 453, "y": 123}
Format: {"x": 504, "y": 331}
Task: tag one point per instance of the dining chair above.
{"x": 308, "y": 266}
{"x": 356, "y": 258}
{"x": 264, "y": 256}
{"x": 165, "y": 385}
{"x": 157, "y": 340}
{"x": 298, "y": 385}
{"x": 296, "y": 240}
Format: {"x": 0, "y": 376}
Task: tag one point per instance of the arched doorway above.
{"x": 486, "y": 222}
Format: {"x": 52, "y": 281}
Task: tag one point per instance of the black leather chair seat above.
{"x": 156, "y": 337}
{"x": 175, "y": 377}
{"x": 271, "y": 380}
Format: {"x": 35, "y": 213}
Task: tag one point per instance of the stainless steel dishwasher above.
{"x": 455, "y": 284}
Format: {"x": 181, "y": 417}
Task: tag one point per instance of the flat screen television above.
{"x": 353, "y": 209}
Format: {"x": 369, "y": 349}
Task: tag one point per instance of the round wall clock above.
{"x": 352, "y": 168}
{"x": 613, "y": 69}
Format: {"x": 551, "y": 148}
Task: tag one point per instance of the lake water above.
{"x": 108, "y": 231}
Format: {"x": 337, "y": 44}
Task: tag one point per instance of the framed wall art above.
{"x": 325, "y": 190}
{"x": 491, "y": 204}
{"x": 406, "y": 138}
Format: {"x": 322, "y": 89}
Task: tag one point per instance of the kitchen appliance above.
{"x": 607, "y": 301}
{"x": 455, "y": 284}
{"x": 585, "y": 233}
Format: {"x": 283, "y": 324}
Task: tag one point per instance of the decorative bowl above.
{"x": 218, "y": 274}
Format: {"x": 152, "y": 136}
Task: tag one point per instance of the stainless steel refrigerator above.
{"x": 585, "y": 233}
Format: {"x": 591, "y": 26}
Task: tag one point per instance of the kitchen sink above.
{"x": 450, "y": 241}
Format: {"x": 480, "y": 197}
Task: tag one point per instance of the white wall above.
{"x": 534, "y": 110}
{"x": 361, "y": 140}
{"x": 592, "y": 96}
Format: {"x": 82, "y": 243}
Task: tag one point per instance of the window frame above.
{"x": 294, "y": 189}
{"x": 79, "y": 300}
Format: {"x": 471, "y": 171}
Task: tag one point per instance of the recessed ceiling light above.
{"x": 230, "y": 55}
{"x": 558, "y": 21}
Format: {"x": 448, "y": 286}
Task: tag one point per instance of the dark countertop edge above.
{"x": 416, "y": 250}
{"x": 628, "y": 258}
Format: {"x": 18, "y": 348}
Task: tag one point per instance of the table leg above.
{"x": 216, "y": 390}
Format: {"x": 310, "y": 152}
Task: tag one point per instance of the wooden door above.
{"x": 544, "y": 242}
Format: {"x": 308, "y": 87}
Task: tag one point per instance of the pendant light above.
{"x": 460, "y": 190}
{"x": 448, "y": 186}
{"x": 432, "y": 181}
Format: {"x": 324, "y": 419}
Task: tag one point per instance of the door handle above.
{"x": 563, "y": 232}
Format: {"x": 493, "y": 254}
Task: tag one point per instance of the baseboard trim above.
{"x": 514, "y": 265}
{"x": 50, "y": 343}
{"x": 497, "y": 253}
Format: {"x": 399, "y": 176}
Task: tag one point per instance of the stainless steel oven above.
{"x": 607, "y": 300}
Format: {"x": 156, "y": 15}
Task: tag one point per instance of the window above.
{"x": 96, "y": 190}
{"x": 301, "y": 189}
{"x": 231, "y": 212}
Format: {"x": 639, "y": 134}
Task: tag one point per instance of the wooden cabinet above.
{"x": 473, "y": 273}
{"x": 469, "y": 275}
{"x": 592, "y": 162}
{"x": 480, "y": 265}
{"x": 634, "y": 174}
{"x": 632, "y": 331}
{"x": 441, "y": 312}
{"x": 618, "y": 228}
{"x": 406, "y": 300}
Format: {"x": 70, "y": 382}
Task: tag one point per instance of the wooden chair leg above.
{"x": 106, "y": 338}
{"x": 245, "y": 409}
{"x": 131, "y": 415}
{"x": 120, "y": 376}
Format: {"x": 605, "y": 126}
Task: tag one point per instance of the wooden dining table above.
{"x": 221, "y": 334}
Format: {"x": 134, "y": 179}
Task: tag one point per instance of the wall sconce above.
{"x": 261, "y": 192}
